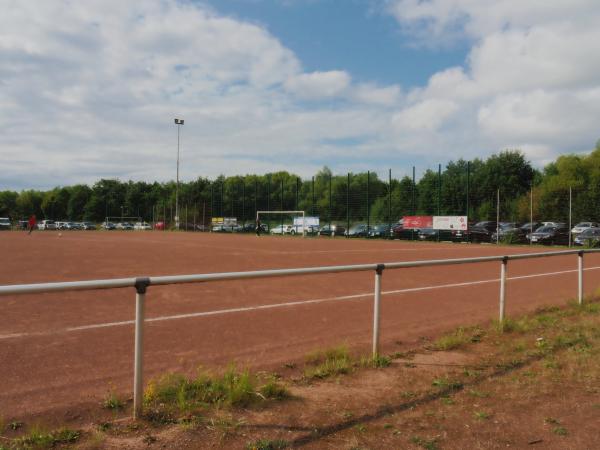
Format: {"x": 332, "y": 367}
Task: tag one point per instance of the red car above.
{"x": 159, "y": 226}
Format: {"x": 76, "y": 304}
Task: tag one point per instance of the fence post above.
{"x": 138, "y": 365}
{"x": 376, "y": 304}
{"x": 580, "y": 278}
{"x": 502, "y": 290}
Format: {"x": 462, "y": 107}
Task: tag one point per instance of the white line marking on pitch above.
{"x": 286, "y": 304}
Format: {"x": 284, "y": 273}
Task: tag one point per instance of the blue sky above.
{"x": 353, "y": 35}
{"x": 89, "y": 90}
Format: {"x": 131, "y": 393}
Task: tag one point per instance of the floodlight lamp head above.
{"x": 179, "y": 121}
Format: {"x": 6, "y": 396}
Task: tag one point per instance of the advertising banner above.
{"x": 310, "y": 221}
{"x": 411, "y": 222}
{"x": 450, "y": 222}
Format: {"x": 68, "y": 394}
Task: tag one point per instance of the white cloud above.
{"x": 90, "y": 89}
{"x": 318, "y": 85}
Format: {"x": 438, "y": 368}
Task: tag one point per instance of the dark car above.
{"x": 589, "y": 237}
{"x": 510, "y": 232}
{"x": 325, "y": 230}
{"x": 399, "y": 232}
{"x": 88, "y": 226}
{"x": 359, "y": 230}
{"x": 379, "y": 231}
{"x": 427, "y": 234}
{"x": 550, "y": 236}
{"x": 481, "y": 231}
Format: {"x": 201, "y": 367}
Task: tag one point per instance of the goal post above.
{"x": 122, "y": 219}
{"x": 289, "y": 213}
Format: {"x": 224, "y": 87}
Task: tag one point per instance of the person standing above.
{"x": 31, "y": 223}
{"x": 258, "y": 225}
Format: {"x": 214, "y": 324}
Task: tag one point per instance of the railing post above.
{"x": 580, "y": 278}
{"x": 138, "y": 365}
{"x": 502, "y": 290}
{"x": 376, "y": 305}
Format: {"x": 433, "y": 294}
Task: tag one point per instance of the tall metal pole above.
{"x": 330, "y": 205}
{"x": 313, "y": 196}
{"x": 368, "y": 204}
{"x": 281, "y": 206}
{"x": 376, "y": 310}
{"x": 414, "y": 188}
{"x": 531, "y": 215}
{"x": 390, "y": 203}
{"x": 498, "y": 217}
{"x": 222, "y": 209}
{"x": 243, "y": 202}
{"x": 439, "y": 197}
{"x": 178, "y": 122}
{"x": 348, "y": 207}
{"x": 570, "y": 213}
{"x": 297, "y": 191}
{"x": 468, "y": 188}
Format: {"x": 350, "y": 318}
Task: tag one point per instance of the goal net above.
{"x": 283, "y": 222}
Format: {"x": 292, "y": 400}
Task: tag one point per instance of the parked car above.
{"x": 46, "y": 225}
{"x": 549, "y": 235}
{"x": 250, "y": 227}
{"x": 358, "y": 230}
{"x": 481, "y": 231}
{"x": 380, "y": 231}
{"x": 399, "y": 232}
{"x": 325, "y": 230}
{"x": 427, "y": 234}
{"x": 283, "y": 229}
{"x": 589, "y": 237}
{"x": 23, "y": 224}
{"x": 582, "y": 226}
{"x": 108, "y": 226}
{"x": 511, "y": 232}
{"x": 87, "y": 226}
{"x": 124, "y": 226}
{"x": 142, "y": 226}
{"x": 5, "y": 223}
{"x": 159, "y": 226}
{"x": 529, "y": 227}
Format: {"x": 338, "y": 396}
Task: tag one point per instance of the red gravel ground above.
{"x": 51, "y": 373}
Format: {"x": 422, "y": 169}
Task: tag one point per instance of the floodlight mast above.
{"x": 178, "y": 122}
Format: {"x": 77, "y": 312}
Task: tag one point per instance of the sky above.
{"x": 89, "y": 90}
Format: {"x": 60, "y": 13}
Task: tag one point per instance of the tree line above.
{"x": 460, "y": 188}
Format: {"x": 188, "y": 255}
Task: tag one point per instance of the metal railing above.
{"x": 141, "y": 285}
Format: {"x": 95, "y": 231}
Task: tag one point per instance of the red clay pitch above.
{"x": 49, "y": 369}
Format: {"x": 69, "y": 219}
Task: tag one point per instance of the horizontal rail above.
{"x": 203, "y": 278}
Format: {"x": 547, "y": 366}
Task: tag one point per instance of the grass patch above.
{"x": 447, "y": 383}
{"x": 458, "y": 339}
{"x": 112, "y": 401}
{"x": 38, "y": 438}
{"x": 174, "y": 393}
{"x": 267, "y": 444}
{"x": 375, "y": 362}
{"x": 427, "y": 444}
{"x": 325, "y": 363}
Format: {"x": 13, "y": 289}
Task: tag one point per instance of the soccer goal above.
{"x": 282, "y": 220}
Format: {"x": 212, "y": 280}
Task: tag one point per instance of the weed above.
{"x": 561, "y": 431}
{"x": 39, "y": 438}
{"x": 388, "y": 426}
{"x": 224, "y": 425}
{"x": 408, "y": 394}
{"x": 551, "y": 420}
{"x": 267, "y": 444}
{"x": 481, "y": 415}
{"x": 15, "y": 425}
{"x": 375, "y": 362}
{"x": 447, "y": 401}
{"x": 104, "y": 426}
{"x": 361, "y": 428}
{"x": 427, "y": 444}
{"x": 446, "y": 383}
{"x": 478, "y": 394}
{"x": 174, "y": 392}
{"x": 274, "y": 390}
{"x": 347, "y": 415}
{"x": 112, "y": 401}
{"x": 330, "y": 362}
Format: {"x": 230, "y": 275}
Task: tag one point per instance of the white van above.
{"x": 46, "y": 225}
